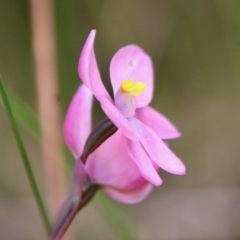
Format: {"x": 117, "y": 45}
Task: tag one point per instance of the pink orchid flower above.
{"x": 108, "y": 166}
{"x": 143, "y": 128}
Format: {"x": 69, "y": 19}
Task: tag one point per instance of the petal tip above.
{"x": 183, "y": 170}
{"x": 84, "y": 58}
{"x": 177, "y": 133}
{"x": 179, "y": 170}
{"x": 158, "y": 182}
{"x": 93, "y": 33}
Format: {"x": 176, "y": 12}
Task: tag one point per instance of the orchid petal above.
{"x": 77, "y": 123}
{"x": 111, "y": 165}
{"x": 88, "y": 69}
{"x": 130, "y": 197}
{"x": 158, "y": 123}
{"x": 158, "y": 150}
{"x": 118, "y": 119}
{"x": 144, "y": 163}
{"x": 131, "y": 62}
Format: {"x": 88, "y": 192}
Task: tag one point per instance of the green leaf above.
{"x": 25, "y": 159}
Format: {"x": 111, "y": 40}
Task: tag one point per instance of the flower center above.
{"x": 133, "y": 88}
{"x": 125, "y": 96}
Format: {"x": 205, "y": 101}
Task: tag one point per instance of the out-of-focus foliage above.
{"x": 195, "y": 47}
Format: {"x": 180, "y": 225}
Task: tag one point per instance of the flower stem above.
{"x": 71, "y": 207}
{"x": 25, "y": 159}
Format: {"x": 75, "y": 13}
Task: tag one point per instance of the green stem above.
{"x": 26, "y": 162}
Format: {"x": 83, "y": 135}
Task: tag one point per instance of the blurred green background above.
{"x": 195, "y": 47}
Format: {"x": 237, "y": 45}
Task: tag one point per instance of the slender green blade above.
{"x": 25, "y": 159}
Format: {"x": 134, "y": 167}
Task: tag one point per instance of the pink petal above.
{"x": 111, "y": 165}
{"x": 131, "y": 62}
{"x": 118, "y": 119}
{"x": 131, "y": 197}
{"x": 158, "y": 150}
{"x": 157, "y": 122}
{"x": 77, "y": 123}
{"x": 88, "y": 69}
{"x": 144, "y": 163}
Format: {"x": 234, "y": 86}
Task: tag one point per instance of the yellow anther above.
{"x": 134, "y": 88}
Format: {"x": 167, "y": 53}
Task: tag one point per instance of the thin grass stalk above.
{"x": 26, "y": 161}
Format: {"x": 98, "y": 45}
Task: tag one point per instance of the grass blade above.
{"x": 25, "y": 159}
